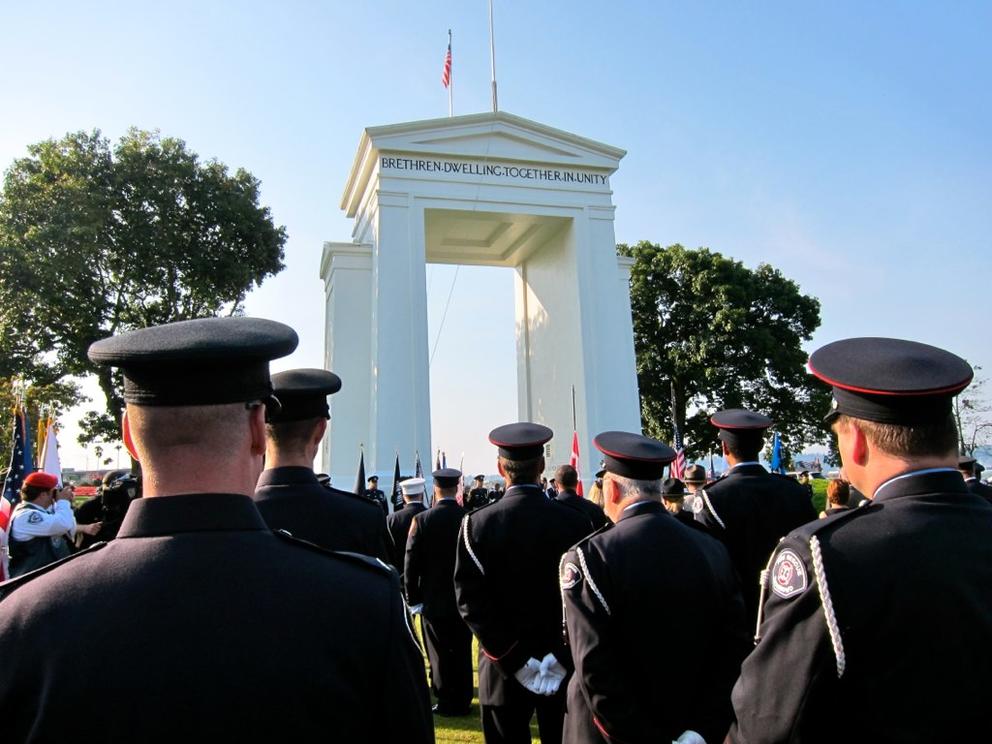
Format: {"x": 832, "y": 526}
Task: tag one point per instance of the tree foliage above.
{"x": 709, "y": 334}
{"x": 973, "y": 416}
{"x": 54, "y": 398}
{"x": 97, "y": 240}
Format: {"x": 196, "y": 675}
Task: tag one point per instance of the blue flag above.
{"x": 21, "y": 458}
{"x": 776, "y": 454}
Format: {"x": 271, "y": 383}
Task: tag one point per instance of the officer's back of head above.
{"x": 294, "y": 431}
{"x": 196, "y": 393}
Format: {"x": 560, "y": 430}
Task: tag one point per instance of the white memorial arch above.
{"x": 487, "y": 189}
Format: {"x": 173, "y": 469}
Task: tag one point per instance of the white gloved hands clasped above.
{"x": 529, "y": 674}
{"x": 541, "y": 677}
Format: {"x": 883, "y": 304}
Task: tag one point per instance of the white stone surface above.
{"x": 487, "y": 189}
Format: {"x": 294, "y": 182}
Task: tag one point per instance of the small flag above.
{"x": 776, "y": 454}
{"x": 573, "y": 460}
{"x": 677, "y": 469}
{"x": 444, "y": 459}
{"x": 446, "y": 70}
{"x": 50, "y": 462}
{"x": 419, "y": 469}
{"x": 396, "y": 496}
{"x": 21, "y": 460}
{"x": 360, "y": 478}
{"x": 712, "y": 469}
{"x": 437, "y": 461}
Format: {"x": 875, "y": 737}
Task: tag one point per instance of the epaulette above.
{"x": 365, "y": 561}
{"x": 10, "y": 585}
{"x": 591, "y": 535}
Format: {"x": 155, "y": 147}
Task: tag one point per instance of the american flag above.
{"x": 678, "y": 466}
{"x": 21, "y": 459}
{"x": 446, "y": 70}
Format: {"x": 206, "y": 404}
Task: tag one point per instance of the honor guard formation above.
{"x": 239, "y": 596}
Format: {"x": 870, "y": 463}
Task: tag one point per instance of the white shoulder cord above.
{"x": 709, "y": 505}
{"x": 592, "y": 584}
{"x": 468, "y": 545}
{"x": 828, "y": 605}
{"x": 763, "y": 583}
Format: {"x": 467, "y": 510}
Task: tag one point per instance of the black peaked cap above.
{"x": 672, "y": 487}
{"x": 741, "y": 427}
{"x": 634, "y": 455}
{"x": 303, "y": 394}
{"x": 520, "y": 441}
{"x": 209, "y": 361}
{"x": 890, "y": 380}
{"x": 447, "y": 477}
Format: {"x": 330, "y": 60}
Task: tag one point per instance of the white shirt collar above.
{"x": 638, "y": 503}
{"x": 745, "y": 464}
{"x": 911, "y": 474}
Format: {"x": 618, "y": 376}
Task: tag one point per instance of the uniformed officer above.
{"x": 479, "y": 495}
{"x": 887, "y": 604}
{"x": 208, "y": 624}
{"x": 398, "y": 523}
{"x": 430, "y": 590}
{"x": 673, "y": 494}
{"x": 42, "y": 525}
{"x": 749, "y": 509}
{"x": 506, "y": 584}
{"x": 376, "y": 496}
{"x": 970, "y": 469}
{"x": 289, "y": 495}
{"x": 568, "y": 478}
{"x": 625, "y": 580}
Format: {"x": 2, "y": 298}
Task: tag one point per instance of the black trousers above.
{"x": 510, "y": 723}
{"x": 449, "y": 649}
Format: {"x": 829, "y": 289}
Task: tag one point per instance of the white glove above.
{"x": 416, "y": 609}
{"x": 690, "y": 737}
{"x": 552, "y": 675}
{"x": 529, "y": 674}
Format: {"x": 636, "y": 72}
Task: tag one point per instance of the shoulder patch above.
{"x": 788, "y": 575}
{"x": 570, "y": 575}
{"x": 356, "y": 558}
{"x": 34, "y": 518}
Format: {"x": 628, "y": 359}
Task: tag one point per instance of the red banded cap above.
{"x": 39, "y": 479}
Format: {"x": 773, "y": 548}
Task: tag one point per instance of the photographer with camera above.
{"x": 106, "y": 510}
{"x": 42, "y": 526}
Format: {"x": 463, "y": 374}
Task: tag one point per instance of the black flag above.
{"x": 360, "y": 479}
{"x": 396, "y": 497}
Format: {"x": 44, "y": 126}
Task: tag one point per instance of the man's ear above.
{"x": 858, "y": 443}
{"x": 256, "y": 423}
{"x": 318, "y": 432}
{"x": 723, "y": 448}
{"x": 612, "y": 491}
{"x": 126, "y": 436}
{"x": 499, "y": 467}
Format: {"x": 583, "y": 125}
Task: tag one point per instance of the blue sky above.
{"x": 846, "y": 143}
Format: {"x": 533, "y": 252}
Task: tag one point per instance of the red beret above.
{"x": 41, "y": 480}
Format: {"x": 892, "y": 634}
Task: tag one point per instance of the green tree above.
{"x": 710, "y": 333}
{"x": 97, "y": 240}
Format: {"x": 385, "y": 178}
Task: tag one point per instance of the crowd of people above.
{"x": 243, "y": 597}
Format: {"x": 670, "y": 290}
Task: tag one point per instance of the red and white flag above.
{"x": 446, "y": 70}
{"x": 573, "y": 460}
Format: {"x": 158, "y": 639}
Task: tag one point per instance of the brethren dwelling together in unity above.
{"x": 488, "y": 189}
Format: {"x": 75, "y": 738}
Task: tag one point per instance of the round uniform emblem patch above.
{"x": 698, "y": 505}
{"x": 570, "y": 575}
{"x": 788, "y": 575}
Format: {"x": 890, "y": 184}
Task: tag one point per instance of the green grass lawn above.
{"x": 819, "y": 494}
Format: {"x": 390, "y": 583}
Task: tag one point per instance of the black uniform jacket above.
{"x": 749, "y": 510}
{"x": 620, "y": 588}
{"x": 594, "y": 513}
{"x": 506, "y": 582}
{"x": 430, "y": 559}
{"x": 291, "y": 499}
{"x": 979, "y": 489}
{"x": 888, "y": 605}
{"x": 476, "y": 498}
{"x": 198, "y": 623}
{"x": 398, "y": 524}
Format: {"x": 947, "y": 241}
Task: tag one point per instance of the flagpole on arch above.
{"x": 451, "y": 79}
{"x": 492, "y": 54}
